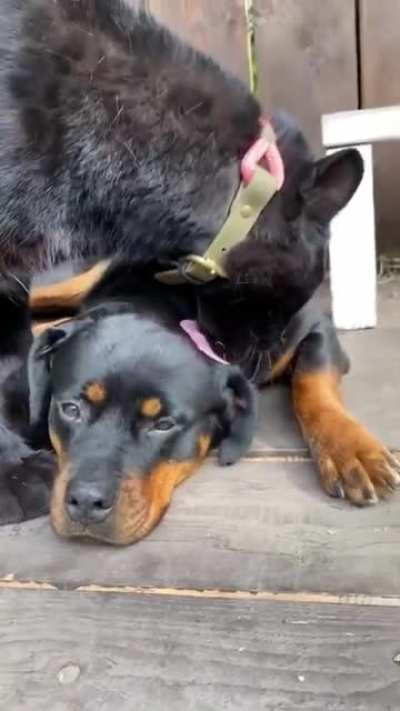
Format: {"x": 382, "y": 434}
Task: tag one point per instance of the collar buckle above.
{"x": 192, "y": 269}
{"x": 199, "y": 269}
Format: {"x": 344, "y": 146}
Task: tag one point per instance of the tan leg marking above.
{"x": 353, "y": 464}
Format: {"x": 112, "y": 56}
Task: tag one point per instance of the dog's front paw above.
{"x": 25, "y": 488}
{"x": 352, "y": 463}
{"x": 229, "y": 452}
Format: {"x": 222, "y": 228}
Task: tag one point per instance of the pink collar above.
{"x": 191, "y": 328}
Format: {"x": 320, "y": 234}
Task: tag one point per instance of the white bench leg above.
{"x": 353, "y": 256}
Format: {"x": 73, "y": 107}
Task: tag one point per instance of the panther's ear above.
{"x": 330, "y": 183}
{"x": 238, "y": 416}
{"x": 39, "y": 369}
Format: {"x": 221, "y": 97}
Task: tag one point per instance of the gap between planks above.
{"x": 266, "y": 595}
{"x": 284, "y": 455}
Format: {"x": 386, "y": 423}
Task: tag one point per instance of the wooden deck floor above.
{"x": 256, "y": 592}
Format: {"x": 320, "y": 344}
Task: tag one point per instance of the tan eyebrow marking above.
{"x": 96, "y": 393}
{"x": 150, "y": 407}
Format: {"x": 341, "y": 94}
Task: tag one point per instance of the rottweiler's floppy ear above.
{"x": 39, "y": 367}
{"x": 330, "y": 184}
{"x": 239, "y": 415}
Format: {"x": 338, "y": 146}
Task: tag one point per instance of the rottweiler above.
{"x": 123, "y": 396}
{"x": 120, "y": 141}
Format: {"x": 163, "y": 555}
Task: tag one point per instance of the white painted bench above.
{"x": 352, "y": 247}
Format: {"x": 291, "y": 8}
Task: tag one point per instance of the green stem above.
{"x": 251, "y": 50}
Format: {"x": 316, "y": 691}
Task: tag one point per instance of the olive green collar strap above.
{"x": 250, "y": 200}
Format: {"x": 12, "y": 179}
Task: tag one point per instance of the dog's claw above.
{"x": 357, "y": 467}
{"x": 337, "y": 491}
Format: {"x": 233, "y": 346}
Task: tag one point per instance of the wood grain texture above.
{"x": 258, "y": 526}
{"x": 180, "y": 654}
{"x": 380, "y": 86}
{"x": 215, "y": 27}
{"x": 307, "y": 58}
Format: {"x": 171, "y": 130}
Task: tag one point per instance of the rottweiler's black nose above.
{"x": 88, "y": 501}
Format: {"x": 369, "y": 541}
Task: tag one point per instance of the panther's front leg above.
{"x": 352, "y": 463}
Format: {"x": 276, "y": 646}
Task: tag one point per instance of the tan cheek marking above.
{"x": 142, "y": 504}
{"x": 131, "y": 512}
{"x": 168, "y": 475}
{"x": 57, "y": 503}
{"x": 151, "y": 407}
{"x": 58, "y": 516}
{"x": 58, "y": 448}
{"x": 204, "y": 444}
{"x": 96, "y": 393}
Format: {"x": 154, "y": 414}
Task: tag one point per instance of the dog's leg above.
{"x": 67, "y": 294}
{"x": 25, "y": 484}
{"x": 352, "y": 463}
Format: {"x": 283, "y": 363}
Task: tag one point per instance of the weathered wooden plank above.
{"x": 307, "y": 58}
{"x": 217, "y": 28}
{"x": 92, "y": 652}
{"x": 257, "y": 526}
{"x": 380, "y": 86}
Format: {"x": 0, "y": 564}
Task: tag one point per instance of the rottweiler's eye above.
{"x": 71, "y": 411}
{"x": 164, "y": 424}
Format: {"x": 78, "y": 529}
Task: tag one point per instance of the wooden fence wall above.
{"x": 311, "y": 57}
{"x": 380, "y": 86}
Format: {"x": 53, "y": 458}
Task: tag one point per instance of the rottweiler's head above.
{"x": 132, "y": 409}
